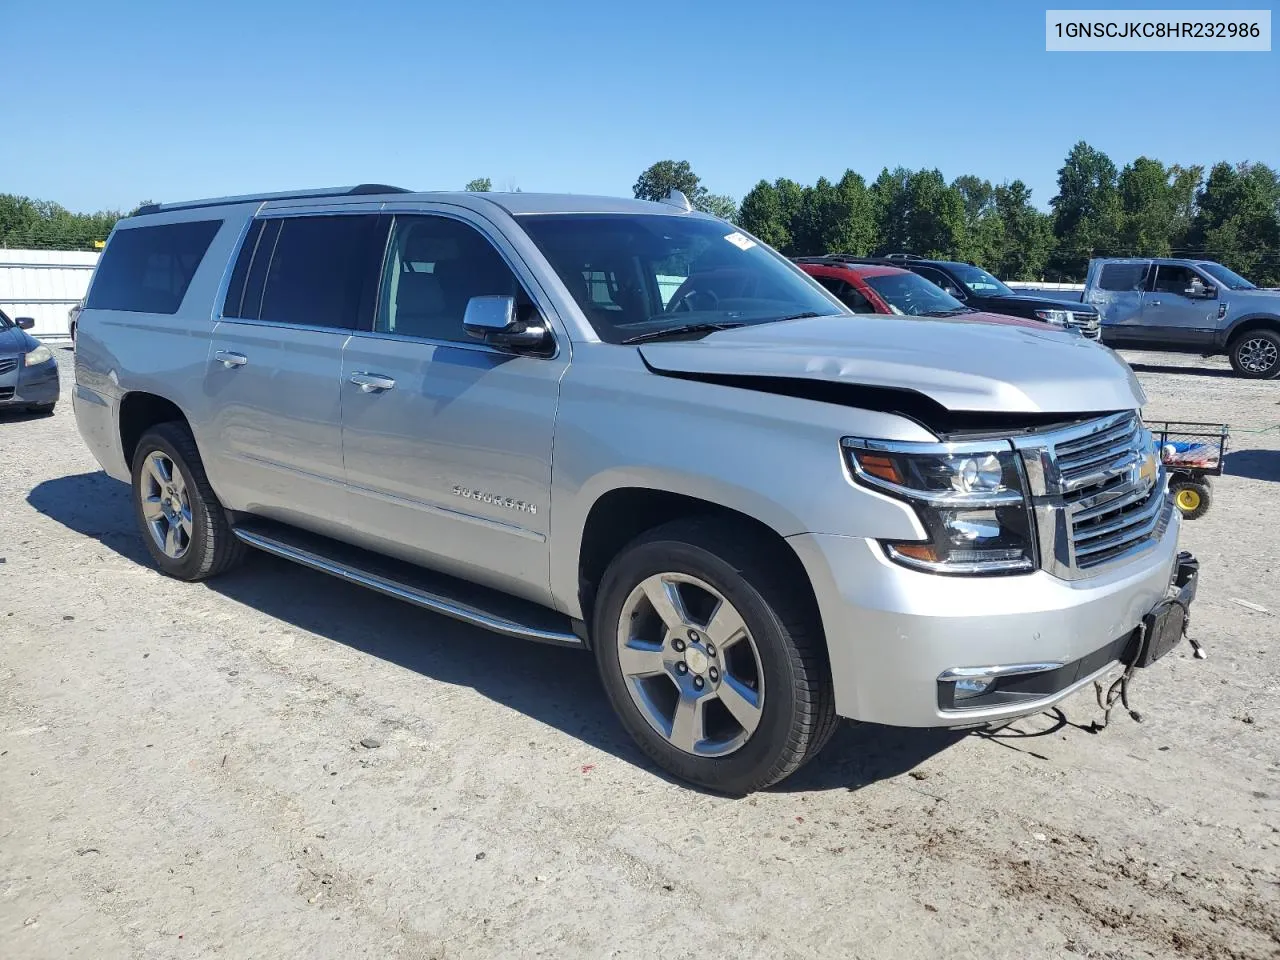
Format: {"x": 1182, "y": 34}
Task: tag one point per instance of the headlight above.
{"x": 971, "y": 502}
{"x": 40, "y": 354}
{"x": 1060, "y": 317}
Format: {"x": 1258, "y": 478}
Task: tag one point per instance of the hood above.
{"x": 15, "y": 340}
{"x": 958, "y": 364}
{"x": 1042, "y": 303}
{"x": 1255, "y": 298}
{"x": 1002, "y": 319}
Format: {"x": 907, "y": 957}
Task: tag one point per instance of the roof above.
{"x": 513, "y": 203}
{"x": 863, "y": 267}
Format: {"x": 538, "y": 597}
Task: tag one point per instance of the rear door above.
{"x": 1117, "y": 293}
{"x": 447, "y": 441}
{"x": 273, "y": 379}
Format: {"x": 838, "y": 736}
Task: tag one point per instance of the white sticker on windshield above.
{"x": 740, "y": 241}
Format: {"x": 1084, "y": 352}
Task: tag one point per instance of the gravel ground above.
{"x": 276, "y": 764}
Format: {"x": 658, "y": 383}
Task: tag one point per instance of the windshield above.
{"x": 1228, "y": 278}
{"x": 5, "y": 322}
{"x": 979, "y": 282}
{"x": 639, "y": 274}
{"x": 913, "y": 295}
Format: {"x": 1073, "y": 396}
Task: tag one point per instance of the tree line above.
{"x": 1231, "y": 215}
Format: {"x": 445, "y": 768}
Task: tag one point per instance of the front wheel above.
{"x": 714, "y": 662}
{"x": 1192, "y": 497}
{"x": 1256, "y": 354}
{"x": 184, "y": 526}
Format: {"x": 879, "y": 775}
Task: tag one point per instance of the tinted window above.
{"x": 934, "y": 276}
{"x": 1171, "y": 279}
{"x": 639, "y": 274}
{"x": 148, "y": 269}
{"x": 315, "y": 271}
{"x": 435, "y": 265}
{"x": 235, "y": 289}
{"x": 906, "y": 293}
{"x": 848, "y": 294}
{"x": 1122, "y": 276}
{"x": 979, "y": 282}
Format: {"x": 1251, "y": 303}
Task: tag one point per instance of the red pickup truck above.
{"x": 866, "y": 287}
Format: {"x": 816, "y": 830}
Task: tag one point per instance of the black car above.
{"x": 978, "y": 289}
{"x": 28, "y": 369}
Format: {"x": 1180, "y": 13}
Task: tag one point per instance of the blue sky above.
{"x": 106, "y": 104}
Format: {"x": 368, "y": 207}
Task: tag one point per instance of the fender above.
{"x": 1223, "y": 337}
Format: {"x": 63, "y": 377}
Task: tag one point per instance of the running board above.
{"x": 439, "y": 593}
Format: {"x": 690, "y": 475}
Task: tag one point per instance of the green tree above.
{"x": 667, "y": 175}
{"x": 935, "y": 216}
{"x": 1086, "y": 211}
{"x": 762, "y": 213}
{"x": 1238, "y": 220}
{"x": 1026, "y": 234}
{"x": 890, "y": 207}
{"x": 718, "y": 205}
{"x": 983, "y": 228}
{"x": 479, "y": 185}
{"x": 834, "y": 218}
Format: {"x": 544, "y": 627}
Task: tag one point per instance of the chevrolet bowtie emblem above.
{"x": 1148, "y": 470}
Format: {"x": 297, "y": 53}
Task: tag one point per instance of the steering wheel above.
{"x": 686, "y": 302}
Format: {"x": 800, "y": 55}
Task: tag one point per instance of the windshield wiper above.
{"x": 704, "y": 327}
{"x": 797, "y": 316}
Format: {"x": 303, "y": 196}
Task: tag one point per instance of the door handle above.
{"x": 1155, "y": 303}
{"x": 230, "y": 359}
{"x": 372, "y": 382}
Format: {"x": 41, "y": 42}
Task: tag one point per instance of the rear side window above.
{"x": 303, "y": 270}
{"x": 148, "y": 269}
{"x": 1122, "y": 277}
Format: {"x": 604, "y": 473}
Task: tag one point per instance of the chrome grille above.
{"x": 1100, "y": 493}
{"x": 1089, "y": 324}
{"x": 8, "y": 364}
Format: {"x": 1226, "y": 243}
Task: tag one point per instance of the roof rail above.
{"x": 902, "y": 256}
{"x": 844, "y": 258}
{"x": 360, "y": 190}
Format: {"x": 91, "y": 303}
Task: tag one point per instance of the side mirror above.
{"x": 493, "y": 320}
{"x": 24, "y": 323}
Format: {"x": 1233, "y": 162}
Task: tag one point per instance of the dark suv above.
{"x": 980, "y": 290}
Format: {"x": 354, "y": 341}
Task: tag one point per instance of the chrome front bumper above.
{"x": 892, "y": 633}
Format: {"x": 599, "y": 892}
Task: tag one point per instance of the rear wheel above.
{"x": 1256, "y": 354}
{"x": 185, "y": 528}
{"x": 715, "y": 664}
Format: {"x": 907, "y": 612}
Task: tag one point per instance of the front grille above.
{"x": 8, "y": 364}
{"x": 1100, "y": 493}
{"x": 1089, "y": 324}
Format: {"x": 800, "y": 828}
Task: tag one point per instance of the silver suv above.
{"x": 633, "y": 428}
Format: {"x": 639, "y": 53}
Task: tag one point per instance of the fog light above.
{"x": 973, "y": 687}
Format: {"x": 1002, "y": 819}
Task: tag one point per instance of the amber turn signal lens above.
{"x": 879, "y": 466}
{"x": 918, "y": 551}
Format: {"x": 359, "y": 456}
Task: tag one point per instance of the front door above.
{"x": 1170, "y": 316}
{"x": 1117, "y": 294}
{"x": 447, "y": 441}
{"x": 274, "y": 370}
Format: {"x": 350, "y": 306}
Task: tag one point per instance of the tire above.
{"x": 774, "y": 670}
{"x": 190, "y": 539}
{"x": 1255, "y": 354}
{"x": 1192, "y": 497}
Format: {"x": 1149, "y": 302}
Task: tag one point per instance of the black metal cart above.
{"x": 1192, "y": 453}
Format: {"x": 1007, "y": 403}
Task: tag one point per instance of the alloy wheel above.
{"x": 165, "y": 506}
{"x": 690, "y": 664}
{"x": 1258, "y": 355}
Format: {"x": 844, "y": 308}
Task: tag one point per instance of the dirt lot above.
{"x": 182, "y": 771}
